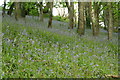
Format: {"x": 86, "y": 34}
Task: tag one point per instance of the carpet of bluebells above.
{"x": 31, "y": 50}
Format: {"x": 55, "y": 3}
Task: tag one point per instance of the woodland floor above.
{"x": 31, "y": 50}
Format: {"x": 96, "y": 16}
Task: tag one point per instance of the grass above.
{"x": 31, "y": 52}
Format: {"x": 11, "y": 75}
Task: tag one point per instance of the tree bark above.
{"x": 97, "y": 11}
{"x": 17, "y": 10}
{"x": 50, "y": 12}
{"x": 71, "y": 15}
{"x": 110, "y": 26}
{"x": 95, "y": 18}
{"x": 41, "y": 12}
{"x": 81, "y": 24}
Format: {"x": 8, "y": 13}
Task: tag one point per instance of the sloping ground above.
{"x": 31, "y": 50}
{"x": 60, "y": 28}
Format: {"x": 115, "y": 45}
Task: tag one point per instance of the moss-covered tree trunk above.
{"x": 110, "y": 26}
{"x": 17, "y": 10}
{"x": 81, "y": 24}
{"x": 50, "y": 17}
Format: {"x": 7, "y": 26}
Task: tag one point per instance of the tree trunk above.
{"x": 41, "y": 12}
{"x": 23, "y": 11}
{"x": 81, "y": 24}
{"x": 97, "y": 11}
{"x": 3, "y": 13}
{"x": 71, "y": 15}
{"x": 95, "y": 18}
{"x": 110, "y": 26}
{"x": 17, "y": 10}
{"x": 10, "y": 9}
{"x": 50, "y": 12}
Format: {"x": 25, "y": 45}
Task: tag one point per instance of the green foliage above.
{"x": 31, "y": 8}
{"x": 9, "y": 4}
{"x": 30, "y": 52}
{"x": 34, "y": 12}
{"x": 59, "y": 18}
{"x": 59, "y": 4}
{"x": 45, "y": 10}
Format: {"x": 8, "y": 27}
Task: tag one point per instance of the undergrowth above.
{"x": 29, "y": 52}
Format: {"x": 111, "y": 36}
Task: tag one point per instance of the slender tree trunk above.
{"x": 81, "y": 24}
{"x": 10, "y": 9}
{"x": 75, "y": 20}
{"x": 50, "y": 19}
{"x": 3, "y": 13}
{"x": 95, "y": 19}
{"x": 17, "y": 10}
{"x": 71, "y": 15}
{"x": 41, "y": 11}
{"x": 110, "y": 26}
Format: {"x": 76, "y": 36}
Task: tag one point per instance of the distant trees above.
{"x": 90, "y": 14}
{"x": 110, "y": 17}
